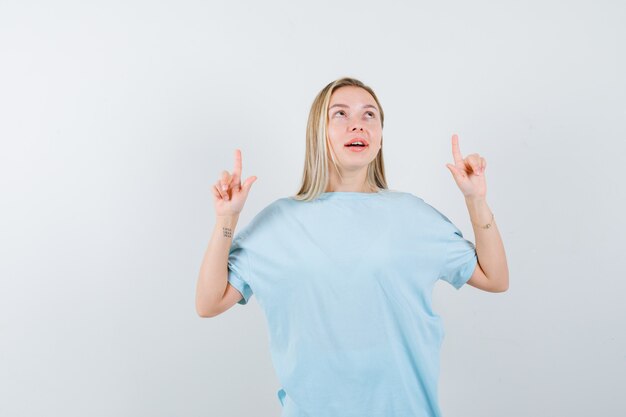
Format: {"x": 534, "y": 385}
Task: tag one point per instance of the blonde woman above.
{"x": 344, "y": 270}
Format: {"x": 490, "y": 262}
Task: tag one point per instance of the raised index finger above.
{"x": 237, "y": 169}
{"x": 456, "y": 151}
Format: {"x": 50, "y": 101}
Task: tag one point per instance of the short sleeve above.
{"x": 239, "y": 268}
{"x": 460, "y": 259}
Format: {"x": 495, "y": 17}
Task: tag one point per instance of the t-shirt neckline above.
{"x": 349, "y": 195}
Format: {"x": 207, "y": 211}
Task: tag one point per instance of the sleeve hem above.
{"x": 239, "y": 285}
{"x": 466, "y": 272}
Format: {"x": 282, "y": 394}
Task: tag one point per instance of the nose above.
{"x": 357, "y": 127}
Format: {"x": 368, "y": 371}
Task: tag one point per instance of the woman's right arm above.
{"x": 213, "y": 280}
{"x": 214, "y": 294}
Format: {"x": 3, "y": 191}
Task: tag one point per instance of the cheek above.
{"x": 334, "y": 133}
{"x": 377, "y": 133}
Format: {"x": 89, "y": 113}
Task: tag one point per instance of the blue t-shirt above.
{"x": 345, "y": 282}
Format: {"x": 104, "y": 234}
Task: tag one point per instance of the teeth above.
{"x": 354, "y": 143}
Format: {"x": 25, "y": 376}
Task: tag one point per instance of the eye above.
{"x": 371, "y": 113}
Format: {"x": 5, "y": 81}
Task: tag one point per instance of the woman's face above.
{"x": 352, "y": 115}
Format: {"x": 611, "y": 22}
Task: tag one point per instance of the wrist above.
{"x": 227, "y": 216}
{"x": 475, "y": 200}
{"x": 481, "y": 215}
{"x": 227, "y": 220}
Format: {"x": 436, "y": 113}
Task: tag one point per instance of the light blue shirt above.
{"x": 345, "y": 282}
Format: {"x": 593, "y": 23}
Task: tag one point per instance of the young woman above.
{"x": 344, "y": 270}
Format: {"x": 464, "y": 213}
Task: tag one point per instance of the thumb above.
{"x": 454, "y": 170}
{"x": 248, "y": 183}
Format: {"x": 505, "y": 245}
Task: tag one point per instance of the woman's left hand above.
{"x": 468, "y": 173}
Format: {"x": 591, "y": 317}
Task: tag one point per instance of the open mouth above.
{"x": 355, "y": 147}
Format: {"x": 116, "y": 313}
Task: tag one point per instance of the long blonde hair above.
{"x": 315, "y": 176}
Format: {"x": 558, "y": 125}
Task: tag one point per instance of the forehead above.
{"x": 352, "y": 96}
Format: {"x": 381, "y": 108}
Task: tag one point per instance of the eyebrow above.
{"x": 346, "y": 106}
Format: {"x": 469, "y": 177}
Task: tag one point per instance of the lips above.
{"x": 366, "y": 143}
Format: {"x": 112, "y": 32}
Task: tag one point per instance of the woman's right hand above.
{"x": 229, "y": 195}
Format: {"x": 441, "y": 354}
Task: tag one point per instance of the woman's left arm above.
{"x": 489, "y": 246}
{"x": 469, "y": 175}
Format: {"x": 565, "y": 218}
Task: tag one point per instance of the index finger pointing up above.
{"x": 237, "y": 169}
{"x": 456, "y": 151}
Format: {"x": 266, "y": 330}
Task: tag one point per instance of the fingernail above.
{"x": 224, "y": 187}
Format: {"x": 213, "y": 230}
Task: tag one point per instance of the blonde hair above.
{"x": 315, "y": 177}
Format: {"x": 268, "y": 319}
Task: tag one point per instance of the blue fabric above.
{"x": 346, "y": 283}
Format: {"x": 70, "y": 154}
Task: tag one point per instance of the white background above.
{"x": 116, "y": 118}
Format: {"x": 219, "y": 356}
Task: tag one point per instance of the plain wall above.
{"x": 116, "y": 118}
